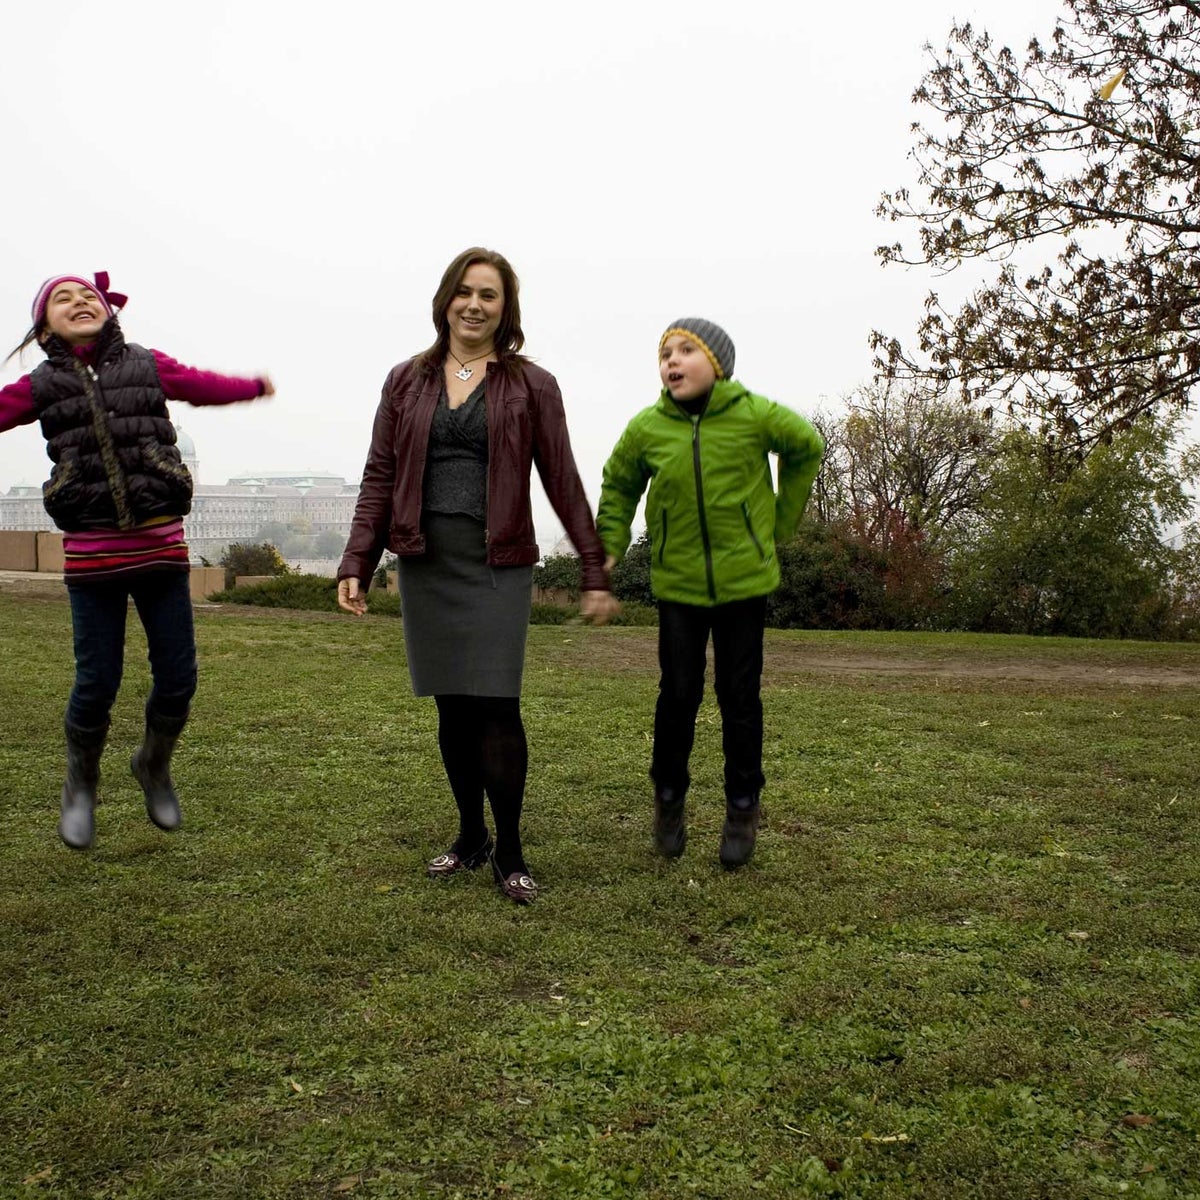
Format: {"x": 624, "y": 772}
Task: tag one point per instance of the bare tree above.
{"x": 1088, "y": 149}
{"x": 902, "y": 460}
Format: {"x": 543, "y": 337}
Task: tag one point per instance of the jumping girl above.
{"x": 119, "y": 492}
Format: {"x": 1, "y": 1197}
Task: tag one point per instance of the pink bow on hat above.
{"x": 110, "y": 300}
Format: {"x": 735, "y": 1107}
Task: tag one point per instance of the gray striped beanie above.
{"x": 710, "y": 337}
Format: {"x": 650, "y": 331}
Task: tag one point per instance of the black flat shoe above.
{"x": 452, "y": 862}
{"x": 518, "y": 887}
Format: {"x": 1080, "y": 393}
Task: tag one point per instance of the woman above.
{"x": 446, "y": 487}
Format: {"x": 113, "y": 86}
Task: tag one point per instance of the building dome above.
{"x": 187, "y": 451}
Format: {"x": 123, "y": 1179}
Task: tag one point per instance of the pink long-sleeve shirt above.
{"x": 179, "y": 382}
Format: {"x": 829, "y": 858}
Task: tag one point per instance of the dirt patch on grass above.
{"x": 636, "y": 650}
{"x": 792, "y": 660}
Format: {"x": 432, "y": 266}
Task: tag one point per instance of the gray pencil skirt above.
{"x": 465, "y": 623}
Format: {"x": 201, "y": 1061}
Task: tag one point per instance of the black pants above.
{"x": 737, "y": 636}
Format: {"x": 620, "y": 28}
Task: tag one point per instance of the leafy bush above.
{"x": 830, "y": 579}
{"x": 558, "y": 571}
{"x": 559, "y": 614}
{"x": 631, "y": 576}
{"x": 314, "y": 592}
{"x": 242, "y": 558}
{"x": 389, "y": 563}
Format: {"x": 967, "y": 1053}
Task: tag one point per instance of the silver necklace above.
{"x": 464, "y": 372}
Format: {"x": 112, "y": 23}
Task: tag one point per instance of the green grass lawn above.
{"x": 962, "y": 964}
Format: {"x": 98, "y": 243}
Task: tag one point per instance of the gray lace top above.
{"x": 456, "y": 462}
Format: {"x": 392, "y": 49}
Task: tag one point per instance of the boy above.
{"x": 714, "y": 522}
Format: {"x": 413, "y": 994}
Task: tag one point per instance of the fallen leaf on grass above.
{"x": 1024, "y": 1002}
{"x": 1078, "y": 935}
{"x": 295, "y": 1086}
{"x": 349, "y": 1183}
{"x": 40, "y": 1177}
{"x": 887, "y": 1137}
{"x": 383, "y": 887}
{"x": 1137, "y": 1120}
{"x": 801, "y": 1132}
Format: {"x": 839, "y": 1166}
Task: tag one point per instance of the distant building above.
{"x": 313, "y": 501}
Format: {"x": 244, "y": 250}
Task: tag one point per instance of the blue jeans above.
{"x": 98, "y": 612}
{"x": 737, "y": 637}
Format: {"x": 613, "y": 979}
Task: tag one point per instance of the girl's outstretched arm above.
{"x": 16, "y": 404}
{"x": 193, "y": 386}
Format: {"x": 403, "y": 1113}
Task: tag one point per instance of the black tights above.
{"x": 483, "y": 747}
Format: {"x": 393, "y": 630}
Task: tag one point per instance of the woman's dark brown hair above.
{"x": 509, "y": 337}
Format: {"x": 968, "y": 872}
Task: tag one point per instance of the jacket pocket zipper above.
{"x": 66, "y": 471}
{"x": 750, "y": 530}
{"x": 164, "y": 464}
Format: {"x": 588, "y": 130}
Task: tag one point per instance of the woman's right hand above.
{"x": 351, "y": 597}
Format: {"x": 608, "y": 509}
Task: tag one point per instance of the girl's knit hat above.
{"x": 110, "y": 300}
{"x": 710, "y": 337}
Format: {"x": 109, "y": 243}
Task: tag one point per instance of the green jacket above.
{"x": 712, "y": 513}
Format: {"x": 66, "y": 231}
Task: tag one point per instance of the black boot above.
{"x": 739, "y": 832}
{"x": 670, "y": 829}
{"x": 77, "y": 823}
{"x": 151, "y": 766}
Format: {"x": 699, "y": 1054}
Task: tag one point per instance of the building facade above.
{"x": 304, "y": 502}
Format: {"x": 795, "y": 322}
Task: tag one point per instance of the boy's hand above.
{"x": 268, "y": 388}
{"x": 610, "y": 562}
{"x": 598, "y": 607}
{"x": 351, "y": 597}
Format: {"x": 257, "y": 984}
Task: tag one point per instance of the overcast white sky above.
{"x": 280, "y": 186}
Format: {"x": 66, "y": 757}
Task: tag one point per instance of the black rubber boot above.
{"x": 151, "y": 766}
{"x": 739, "y": 832}
{"x": 670, "y": 827}
{"x": 77, "y": 822}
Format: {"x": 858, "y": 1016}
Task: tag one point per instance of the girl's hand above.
{"x": 267, "y": 386}
{"x": 351, "y": 597}
{"x": 598, "y": 607}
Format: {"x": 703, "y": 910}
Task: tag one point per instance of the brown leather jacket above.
{"x": 526, "y": 426}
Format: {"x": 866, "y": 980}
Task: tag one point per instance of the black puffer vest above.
{"x": 110, "y": 438}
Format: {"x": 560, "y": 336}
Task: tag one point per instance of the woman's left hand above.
{"x": 598, "y": 607}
